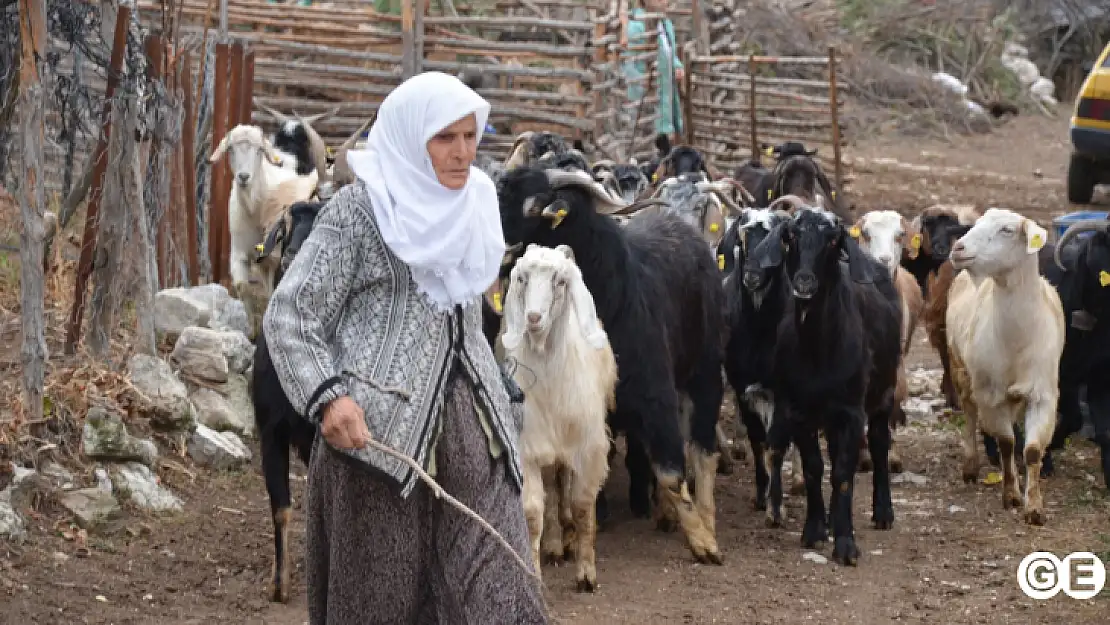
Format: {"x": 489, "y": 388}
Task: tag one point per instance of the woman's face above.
{"x": 452, "y": 150}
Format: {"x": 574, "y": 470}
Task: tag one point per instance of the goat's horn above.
{"x": 794, "y": 201}
{"x": 319, "y": 149}
{"x": 1074, "y": 230}
{"x": 606, "y": 163}
{"x": 341, "y": 171}
{"x": 739, "y": 186}
{"x": 609, "y": 203}
{"x": 281, "y": 117}
{"x": 312, "y": 119}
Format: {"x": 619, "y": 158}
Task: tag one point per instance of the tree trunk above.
{"x": 120, "y": 191}
{"x": 32, "y": 203}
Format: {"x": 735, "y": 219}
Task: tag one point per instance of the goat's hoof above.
{"x": 725, "y": 467}
{"x": 666, "y": 525}
{"x": 970, "y": 477}
{"x": 845, "y": 551}
{"x": 774, "y": 518}
{"x": 759, "y": 503}
{"x": 1011, "y": 501}
{"x": 710, "y": 556}
{"x": 278, "y": 594}
{"x": 883, "y": 519}
{"x": 586, "y": 584}
{"x": 896, "y": 465}
{"x": 798, "y": 488}
{"x": 814, "y": 534}
{"x": 551, "y": 558}
{"x": 1035, "y": 517}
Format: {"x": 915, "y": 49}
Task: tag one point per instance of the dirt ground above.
{"x": 951, "y": 557}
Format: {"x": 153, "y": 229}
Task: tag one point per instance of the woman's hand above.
{"x": 679, "y": 74}
{"x": 344, "y": 425}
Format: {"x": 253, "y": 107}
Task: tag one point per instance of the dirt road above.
{"x": 951, "y": 557}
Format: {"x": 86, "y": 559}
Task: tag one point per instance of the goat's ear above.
{"x": 273, "y": 237}
{"x": 1035, "y": 236}
{"x": 859, "y": 263}
{"x": 771, "y": 251}
{"x": 565, "y": 249}
{"x": 856, "y": 231}
{"x": 913, "y": 242}
{"x": 512, "y": 316}
{"x": 220, "y": 150}
{"x": 586, "y": 312}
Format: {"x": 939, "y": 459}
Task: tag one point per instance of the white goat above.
{"x": 568, "y": 373}
{"x": 1005, "y": 337}
{"x": 262, "y": 189}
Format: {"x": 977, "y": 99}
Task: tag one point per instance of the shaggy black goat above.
{"x": 279, "y": 425}
{"x": 757, "y": 299}
{"x": 939, "y": 227}
{"x": 660, "y": 298}
{"x": 530, "y": 146}
{"x": 800, "y": 175}
{"x": 626, "y": 179}
{"x": 837, "y": 353}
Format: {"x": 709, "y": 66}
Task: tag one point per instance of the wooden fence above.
{"x": 735, "y": 103}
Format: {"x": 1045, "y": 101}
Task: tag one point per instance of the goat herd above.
{"x": 630, "y": 287}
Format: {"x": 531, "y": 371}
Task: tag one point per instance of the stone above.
{"x": 12, "y": 526}
{"x": 90, "y": 506}
{"x": 164, "y": 399}
{"x": 141, "y": 486}
{"x": 105, "y": 437}
{"x": 176, "y": 309}
{"x": 218, "y": 450}
{"x": 232, "y": 317}
{"x": 217, "y": 412}
{"x": 199, "y": 354}
{"x": 815, "y": 558}
{"x": 60, "y": 476}
{"x": 238, "y": 350}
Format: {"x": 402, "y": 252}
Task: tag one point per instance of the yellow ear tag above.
{"x": 497, "y": 302}
{"x": 714, "y": 227}
{"x": 854, "y": 232}
{"x": 770, "y": 192}
{"x": 833, "y": 194}
{"x": 259, "y": 248}
{"x": 721, "y": 262}
{"x": 993, "y": 478}
{"x": 1037, "y": 242}
{"x": 1104, "y": 278}
{"x": 915, "y": 241}
{"x": 769, "y": 151}
{"x": 559, "y": 214}
{"x": 654, "y": 177}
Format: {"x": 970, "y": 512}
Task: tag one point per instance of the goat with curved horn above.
{"x": 341, "y": 171}
{"x": 281, "y": 117}
{"x": 1074, "y": 230}
{"x": 721, "y": 189}
{"x": 312, "y": 119}
{"x": 317, "y": 145}
{"x": 793, "y": 201}
{"x": 608, "y": 204}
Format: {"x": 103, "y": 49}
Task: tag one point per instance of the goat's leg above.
{"x": 797, "y": 472}
{"x": 533, "y": 496}
{"x": 566, "y": 513}
{"x": 757, "y": 438}
{"x": 845, "y": 445}
{"x": 971, "y": 442}
{"x": 1071, "y": 420}
{"x": 275, "y": 469}
{"x": 1098, "y": 402}
{"x": 726, "y": 464}
{"x": 816, "y": 528}
{"x": 706, "y": 391}
{"x": 640, "y": 477}
{"x": 551, "y": 540}
{"x": 778, "y": 439}
{"x": 586, "y": 481}
{"x": 1011, "y": 494}
{"x": 865, "y": 462}
{"x": 879, "y": 442}
{"x": 1040, "y": 421}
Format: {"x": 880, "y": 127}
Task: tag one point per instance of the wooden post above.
{"x": 752, "y": 107}
{"x": 701, "y": 46}
{"x": 408, "y": 45}
{"x": 31, "y": 104}
{"x": 84, "y": 263}
{"x": 217, "y": 213}
{"x": 834, "y": 114}
{"x": 188, "y": 143}
{"x": 234, "y": 108}
{"x": 420, "y": 8}
{"x": 246, "y": 96}
{"x": 600, "y": 54}
{"x": 153, "y": 48}
{"x": 688, "y": 91}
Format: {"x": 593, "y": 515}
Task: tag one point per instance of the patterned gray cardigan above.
{"x": 347, "y": 319}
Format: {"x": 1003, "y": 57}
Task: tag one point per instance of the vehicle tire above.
{"x": 1081, "y": 179}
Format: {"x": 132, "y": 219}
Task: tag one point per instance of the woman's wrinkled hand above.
{"x": 344, "y": 425}
{"x": 679, "y": 74}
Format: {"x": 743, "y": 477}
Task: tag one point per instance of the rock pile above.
{"x": 199, "y": 395}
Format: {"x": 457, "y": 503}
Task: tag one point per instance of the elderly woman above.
{"x": 376, "y": 334}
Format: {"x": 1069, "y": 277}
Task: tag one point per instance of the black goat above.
{"x": 800, "y": 175}
{"x": 939, "y": 227}
{"x": 682, "y": 159}
{"x": 279, "y": 425}
{"x": 837, "y": 353}
{"x": 757, "y": 299}
{"x": 786, "y": 149}
{"x": 296, "y": 136}
{"x": 530, "y": 146}
{"x": 660, "y": 298}
{"x": 626, "y": 179}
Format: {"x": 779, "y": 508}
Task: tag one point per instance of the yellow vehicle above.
{"x": 1090, "y": 133}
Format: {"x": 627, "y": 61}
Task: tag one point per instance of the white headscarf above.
{"x": 450, "y": 240}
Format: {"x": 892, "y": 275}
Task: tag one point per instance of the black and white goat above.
{"x": 659, "y": 296}
{"x": 279, "y": 425}
{"x": 531, "y": 146}
{"x": 835, "y": 367}
{"x": 295, "y": 137}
